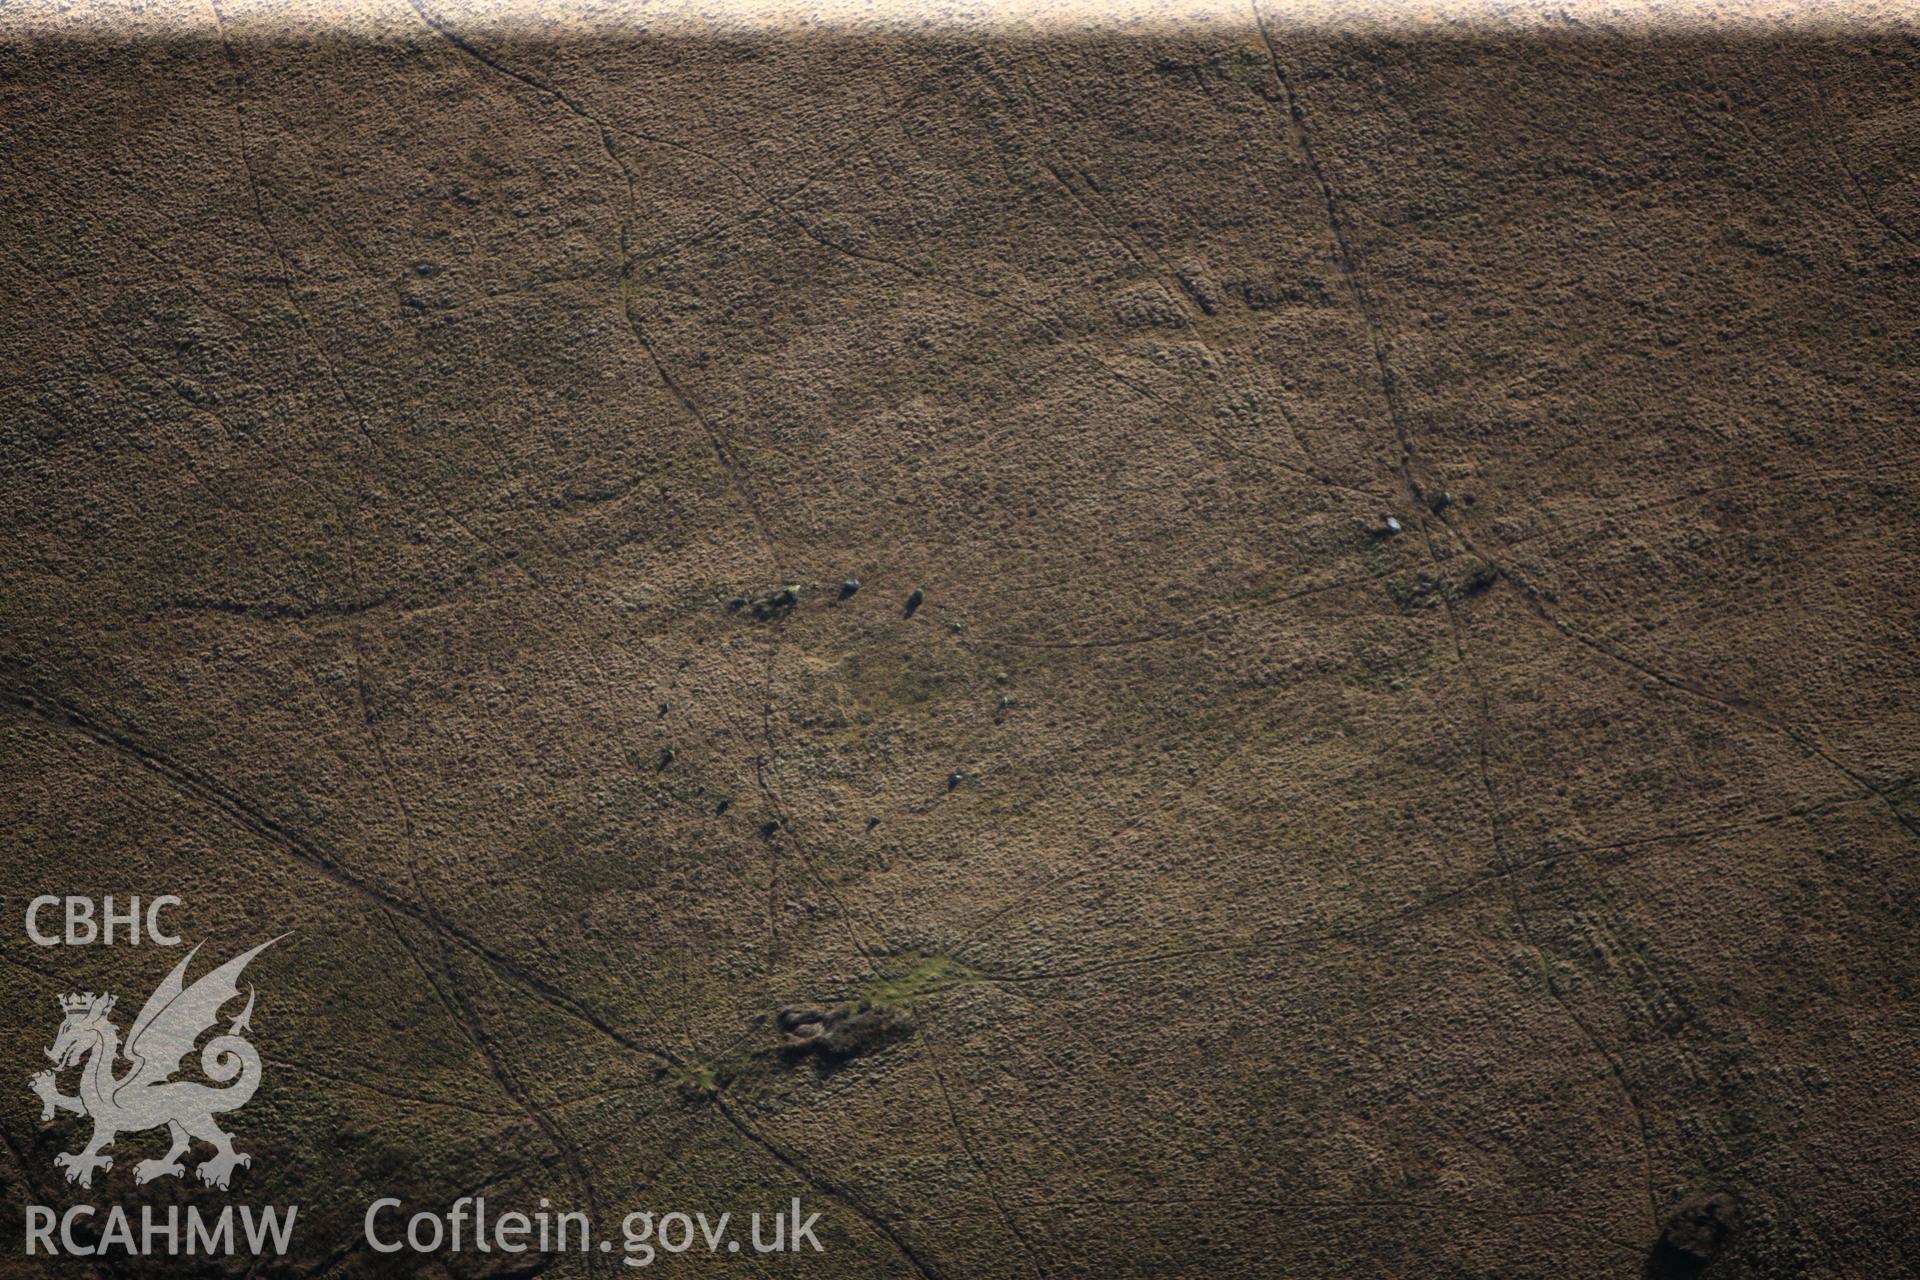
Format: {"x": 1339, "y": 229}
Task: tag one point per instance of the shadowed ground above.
{"x": 394, "y": 418}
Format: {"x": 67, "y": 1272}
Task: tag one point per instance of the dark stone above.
{"x": 848, "y": 587}
{"x": 914, "y": 601}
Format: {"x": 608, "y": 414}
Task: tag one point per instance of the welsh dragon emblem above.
{"x": 145, "y": 1096}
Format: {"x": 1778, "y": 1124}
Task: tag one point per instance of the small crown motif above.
{"x": 78, "y": 1002}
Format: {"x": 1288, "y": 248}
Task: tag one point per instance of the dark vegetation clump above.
{"x": 1421, "y": 592}
{"x": 1483, "y": 576}
{"x": 778, "y": 605}
{"x": 1694, "y": 1235}
{"x": 1425, "y": 591}
{"x": 775, "y": 604}
{"x": 834, "y": 1035}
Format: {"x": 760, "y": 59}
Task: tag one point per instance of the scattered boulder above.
{"x": 1389, "y": 527}
{"x": 736, "y": 604}
{"x": 848, "y": 587}
{"x": 914, "y": 601}
{"x": 954, "y": 779}
{"x": 1439, "y": 502}
{"x": 666, "y": 757}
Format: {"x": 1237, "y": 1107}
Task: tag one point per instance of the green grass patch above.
{"x": 924, "y": 976}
